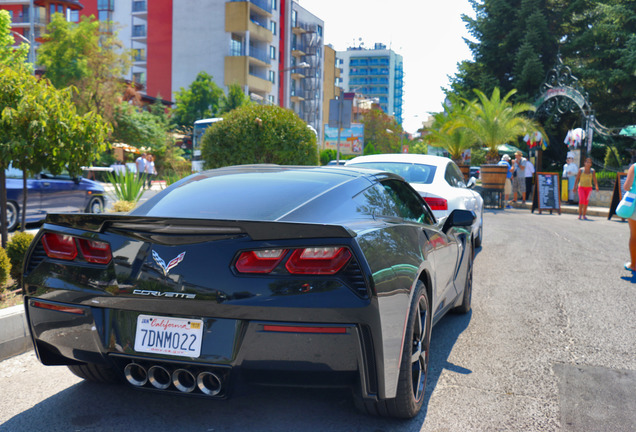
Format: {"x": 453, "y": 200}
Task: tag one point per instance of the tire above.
{"x": 95, "y": 205}
{"x": 467, "y": 295}
{"x": 13, "y": 215}
{"x": 413, "y": 366}
{"x": 96, "y": 373}
{"x": 480, "y": 233}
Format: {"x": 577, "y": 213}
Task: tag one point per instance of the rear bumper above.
{"x": 270, "y": 352}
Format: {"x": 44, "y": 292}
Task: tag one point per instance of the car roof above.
{"x": 401, "y": 157}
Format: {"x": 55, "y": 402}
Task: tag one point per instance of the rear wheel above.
{"x": 96, "y": 373}
{"x": 414, "y": 364}
{"x": 467, "y": 295}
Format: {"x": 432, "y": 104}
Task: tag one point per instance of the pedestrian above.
{"x": 529, "y": 176}
{"x": 140, "y": 162}
{"x": 584, "y": 180}
{"x": 632, "y": 223}
{"x": 570, "y": 170}
{"x": 150, "y": 169}
{"x": 519, "y": 178}
{"x": 505, "y": 161}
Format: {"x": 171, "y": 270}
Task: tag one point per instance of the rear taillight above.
{"x": 95, "y": 251}
{"x": 63, "y": 246}
{"x": 436, "y": 203}
{"x": 320, "y": 260}
{"x": 260, "y": 261}
{"x": 317, "y": 260}
{"x": 59, "y": 246}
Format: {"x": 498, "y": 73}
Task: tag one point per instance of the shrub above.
{"x": 256, "y": 134}
{"x": 128, "y": 186}
{"x": 122, "y": 206}
{"x": 16, "y": 249}
{"x": 5, "y": 268}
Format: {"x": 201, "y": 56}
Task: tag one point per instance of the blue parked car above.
{"x": 48, "y": 193}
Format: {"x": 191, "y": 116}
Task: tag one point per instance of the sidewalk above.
{"x": 567, "y": 209}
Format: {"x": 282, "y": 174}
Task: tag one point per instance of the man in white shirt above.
{"x": 570, "y": 170}
{"x": 141, "y": 165}
{"x": 529, "y": 175}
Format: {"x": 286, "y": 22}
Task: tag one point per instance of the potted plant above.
{"x": 494, "y": 121}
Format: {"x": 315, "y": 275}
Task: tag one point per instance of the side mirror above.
{"x": 471, "y": 183}
{"x": 459, "y": 218}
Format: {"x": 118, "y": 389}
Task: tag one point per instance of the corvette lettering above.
{"x": 164, "y": 294}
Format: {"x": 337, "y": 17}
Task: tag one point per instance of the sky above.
{"x": 428, "y": 34}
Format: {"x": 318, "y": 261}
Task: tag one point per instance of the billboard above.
{"x": 351, "y": 139}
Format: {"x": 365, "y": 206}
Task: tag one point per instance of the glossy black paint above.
{"x": 391, "y": 234}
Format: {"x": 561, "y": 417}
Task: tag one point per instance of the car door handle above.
{"x": 46, "y": 184}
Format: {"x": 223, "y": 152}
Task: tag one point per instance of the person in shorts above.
{"x": 505, "y": 161}
{"x": 519, "y": 178}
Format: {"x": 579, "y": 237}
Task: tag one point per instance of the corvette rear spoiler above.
{"x": 256, "y": 230}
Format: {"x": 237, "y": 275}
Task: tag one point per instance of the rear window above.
{"x": 240, "y": 196}
{"x": 412, "y": 173}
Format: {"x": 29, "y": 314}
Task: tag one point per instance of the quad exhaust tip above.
{"x": 184, "y": 380}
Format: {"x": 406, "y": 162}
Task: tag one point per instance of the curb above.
{"x": 14, "y": 332}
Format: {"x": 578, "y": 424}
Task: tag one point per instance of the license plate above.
{"x": 170, "y": 336}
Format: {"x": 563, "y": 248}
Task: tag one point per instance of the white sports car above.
{"x": 437, "y": 179}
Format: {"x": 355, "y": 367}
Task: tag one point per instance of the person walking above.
{"x": 631, "y": 265}
{"x": 150, "y": 170}
{"x": 140, "y": 162}
{"x": 505, "y": 161}
{"x": 529, "y": 175}
{"x": 584, "y": 180}
{"x": 570, "y": 170}
{"x": 519, "y": 178}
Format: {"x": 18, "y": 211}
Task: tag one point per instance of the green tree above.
{"x": 79, "y": 55}
{"x": 138, "y": 127}
{"x": 202, "y": 99}
{"x": 259, "y": 134}
{"x": 382, "y": 133}
{"x": 495, "y": 120}
{"x": 235, "y": 98}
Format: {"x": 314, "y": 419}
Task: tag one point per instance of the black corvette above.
{"x": 269, "y": 274}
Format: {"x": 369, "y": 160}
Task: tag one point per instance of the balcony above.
{"x": 240, "y": 19}
{"x": 140, "y": 9}
{"x": 265, "y": 6}
{"x": 139, "y": 33}
{"x": 242, "y": 70}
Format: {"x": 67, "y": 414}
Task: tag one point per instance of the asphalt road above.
{"x": 549, "y": 346}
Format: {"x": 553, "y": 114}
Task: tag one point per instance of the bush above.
{"x": 5, "y": 268}
{"x": 256, "y": 134}
{"x": 128, "y": 186}
{"x": 16, "y": 249}
{"x": 122, "y": 206}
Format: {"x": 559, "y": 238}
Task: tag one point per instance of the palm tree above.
{"x": 495, "y": 121}
{"x": 444, "y": 132}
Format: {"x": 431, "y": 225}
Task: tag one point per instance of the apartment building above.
{"x": 376, "y": 73}
{"x": 272, "y": 48}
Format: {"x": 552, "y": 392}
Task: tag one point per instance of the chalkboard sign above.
{"x": 617, "y": 195}
{"x": 547, "y": 195}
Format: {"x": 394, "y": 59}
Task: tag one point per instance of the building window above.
{"x": 272, "y": 27}
{"x": 73, "y": 16}
{"x": 319, "y": 30}
{"x": 272, "y": 76}
{"x": 138, "y": 30}
{"x": 236, "y": 46}
{"x": 139, "y": 78}
{"x": 294, "y": 18}
{"x": 274, "y": 5}
{"x": 106, "y": 5}
{"x": 271, "y": 99}
{"x": 272, "y": 52}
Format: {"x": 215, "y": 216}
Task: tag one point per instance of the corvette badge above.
{"x": 172, "y": 264}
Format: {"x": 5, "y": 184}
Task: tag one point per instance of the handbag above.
{"x": 626, "y": 207}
